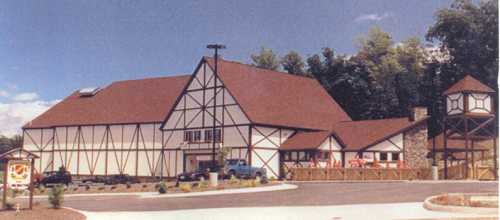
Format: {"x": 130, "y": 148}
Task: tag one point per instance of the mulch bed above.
{"x": 145, "y": 187}
{"x": 41, "y": 212}
{"x": 459, "y": 200}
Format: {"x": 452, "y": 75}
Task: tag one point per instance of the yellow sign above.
{"x": 18, "y": 173}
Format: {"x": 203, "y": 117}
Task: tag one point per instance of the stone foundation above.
{"x": 415, "y": 147}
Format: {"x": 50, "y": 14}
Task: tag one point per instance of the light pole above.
{"x": 215, "y": 47}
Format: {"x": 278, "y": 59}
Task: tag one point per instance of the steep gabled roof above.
{"x": 266, "y": 97}
{"x": 468, "y": 84}
{"x": 357, "y": 135}
{"x": 280, "y": 99}
{"x": 130, "y": 101}
{"x": 305, "y": 140}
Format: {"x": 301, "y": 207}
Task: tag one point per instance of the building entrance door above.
{"x": 193, "y": 162}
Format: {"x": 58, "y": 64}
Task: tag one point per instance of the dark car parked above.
{"x": 196, "y": 175}
{"x": 56, "y": 177}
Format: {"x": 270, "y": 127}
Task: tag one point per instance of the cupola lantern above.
{"x": 469, "y": 96}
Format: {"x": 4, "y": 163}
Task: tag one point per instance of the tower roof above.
{"x": 468, "y": 84}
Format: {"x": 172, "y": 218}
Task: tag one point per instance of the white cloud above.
{"x": 14, "y": 115}
{"x": 26, "y": 97}
{"x": 372, "y": 17}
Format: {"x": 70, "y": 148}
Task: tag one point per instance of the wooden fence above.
{"x": 458, "y": 172}
{"x": 349, "y": 174}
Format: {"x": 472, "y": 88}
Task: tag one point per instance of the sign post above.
{"x": 18, "y": 172}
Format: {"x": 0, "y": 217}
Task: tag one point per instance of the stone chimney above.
{"x": 417, "y": 113}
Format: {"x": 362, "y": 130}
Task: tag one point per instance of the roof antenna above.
{"x": 216, "y": 47}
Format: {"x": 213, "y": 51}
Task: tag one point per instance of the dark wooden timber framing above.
{"x": 77, "y": 146}
{"x": 220, "y": 111}
{"x": 469, "y": 127}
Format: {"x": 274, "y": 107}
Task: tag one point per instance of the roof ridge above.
{"x": 380, "y": 119}
{"x": 268, "y": 70}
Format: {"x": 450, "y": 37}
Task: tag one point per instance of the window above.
{"x": 326, "y": 155}
{"x": 294, "y": 156}
{"x": 197, "y": 136}
{"x": 217, "y": 135}
{"x": 188, "y": 136}
{"x": 395, "y": 156}
{"x": 302, "y": 155}
{"x": 209, "y": 137}
{"x": 287, "y": 156}
{"x": 383, "y": 156}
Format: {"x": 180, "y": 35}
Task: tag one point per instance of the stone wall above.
{"x": 415, "y": 146}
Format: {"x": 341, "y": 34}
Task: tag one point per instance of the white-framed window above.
{"x": 383, "y": 156}
{"x": 209, "y": 137}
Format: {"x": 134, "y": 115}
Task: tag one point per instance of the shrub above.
{"x": 113, "y": 187}
{"x": 144, "y": 185}
{"x": 101, "y": 188}
{"x": 162, "y": 187}
{"x": 185, "y": 187}
{"x": 233, "y": 180}
{"x": 203, "y": 184}
{"x": 257, "y": 181}
{"x": 41, "y": 189}
{"x": 128, "y": 185}
{"x": 87, "y": 187}
{"x": 56, "y": 196}
{"x": 248, "y": 183}
{"x": 272, "y": 178}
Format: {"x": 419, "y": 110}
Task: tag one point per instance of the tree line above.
{"x": 9, "y": 143}
{"x": 385, "y": 79}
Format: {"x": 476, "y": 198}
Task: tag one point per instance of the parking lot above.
{"x": 322, "y": 193}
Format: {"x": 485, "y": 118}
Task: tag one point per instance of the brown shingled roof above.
{"x": 305, "y": 140}
{"x": 469, "y": 84}
{"x": 275, "y": 98}
{"x": 266, "y": 97}
{"x": 131, "y": 101}
{"x": 356, "y": 135}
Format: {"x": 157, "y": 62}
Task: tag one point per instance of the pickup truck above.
{"x": 239, "y": 168}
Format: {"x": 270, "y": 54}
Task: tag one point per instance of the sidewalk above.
{"x": 360, "y": 211}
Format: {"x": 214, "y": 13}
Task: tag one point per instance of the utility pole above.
{"x": 216, "y": 47}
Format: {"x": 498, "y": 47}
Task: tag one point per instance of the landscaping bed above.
{"x": 171, "y": 187}
{"x": 40, "y": 212}
{"x": 470, "y": 200}
{"x": 462, "y": 202}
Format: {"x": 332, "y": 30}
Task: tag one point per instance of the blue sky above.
{"x": 50, "y": 48}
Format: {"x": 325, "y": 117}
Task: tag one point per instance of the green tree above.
{"x": 266, "y": 59}
{"x": 470, "y": 33}
{"x": 396, "y": 69}
{"x": 293, "y": 63}
{"x": 374, "y": 51}
{"x": 346, "y": 80}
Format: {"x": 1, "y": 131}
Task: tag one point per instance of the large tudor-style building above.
{"x": 164, "y": 126}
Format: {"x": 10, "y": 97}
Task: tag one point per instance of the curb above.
{"x": 94, "y": 195}
{"x": 280, "y": 187}
{"x": 391, "y": 181}
{"x": 462, "y": 209}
